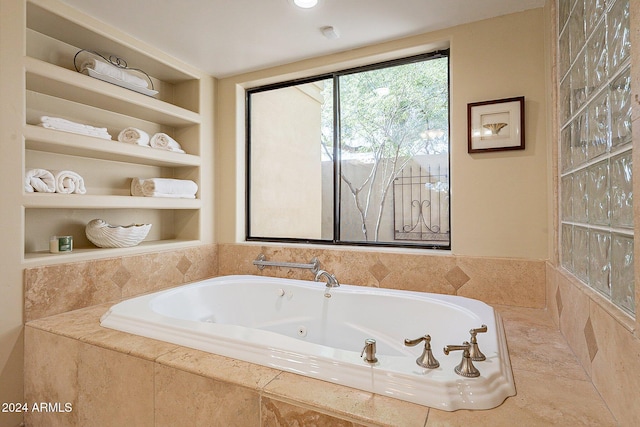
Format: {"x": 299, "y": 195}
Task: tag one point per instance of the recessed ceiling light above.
{"x": 305, "y": 4}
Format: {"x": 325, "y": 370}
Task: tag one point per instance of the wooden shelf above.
{"x": 52, "y": 80}
{"x": 54, "y": 32}
{"x": 85, "y": 201}
{"x": 53, "y": 141}
{"x": 82, "y": 254}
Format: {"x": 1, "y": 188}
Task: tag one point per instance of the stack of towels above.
{"x": 44, "y": 181}
{"x": 73, "y": 127}
{"x": 88, "y": 61}
{"x": 160, "y": 140}
{"x": 164, "y": 187}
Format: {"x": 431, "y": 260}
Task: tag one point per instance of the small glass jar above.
{"x": 58, "y": 244}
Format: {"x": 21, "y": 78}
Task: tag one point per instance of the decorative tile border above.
{"x": 60, "y": 288}
{"x": 492, "y": 280}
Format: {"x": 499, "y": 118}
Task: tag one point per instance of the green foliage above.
{"x": 388, "y": 111}
{"x": 387, "y": 116}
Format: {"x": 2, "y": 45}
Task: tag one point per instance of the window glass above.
{"x": 360, "y": 156}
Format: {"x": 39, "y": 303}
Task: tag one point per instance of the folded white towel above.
{"x": 171, "y": 196}
{"x": 169, "y": 186}
{"x": 58, "y": 123}
{"x": 164, "y": 187}
{"x": 68, "y": 182}
{"x": 165, "y": 142}
{"x": 133, "y": 135}
{"x": 110, "y": 70}
{"x": 40, "y": 180}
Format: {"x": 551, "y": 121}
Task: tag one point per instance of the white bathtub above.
{"x": 290, "y": 325}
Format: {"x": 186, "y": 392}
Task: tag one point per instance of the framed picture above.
{"x": 496, "y": 125}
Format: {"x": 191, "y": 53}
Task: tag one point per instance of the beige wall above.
{"x": 499, "y": 200}
{"x": 285, "y": 127}
{"x": 11, "y": 84}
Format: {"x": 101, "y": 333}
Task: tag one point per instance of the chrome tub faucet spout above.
{"x": 332, "y": 282}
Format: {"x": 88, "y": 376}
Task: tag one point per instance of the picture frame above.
{"x": 496, "y": 125}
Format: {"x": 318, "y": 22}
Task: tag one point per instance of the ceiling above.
{"x": 227, "y": 37}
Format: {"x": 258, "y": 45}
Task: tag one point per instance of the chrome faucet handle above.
{"x": 474, "y": 352}
{"x": 465, "y": 368}
{"x": 426, "y": 360}
{"x": 369, "y": 351}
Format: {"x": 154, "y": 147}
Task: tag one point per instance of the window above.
{"x": 354, "y": 157}
{"x": 596, "y": 195}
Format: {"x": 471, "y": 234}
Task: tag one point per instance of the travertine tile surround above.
{"x": 603, "y": 340}
{"x": 492, "y": 280}
{"x": 285, "y": 397}
{"x": 59, "y": 288}
{"x": 115, "y": 379}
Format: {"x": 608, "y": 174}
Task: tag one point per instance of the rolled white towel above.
{"x": 133, "y": 135}
{"x": 136, "y": 187}
{"x": 68, "y": 182}
{"x": 110, "y": 70}
{"x": 165, "y": 142}
{"x": 40, "y": 180}
{"x": 167, "y": 187}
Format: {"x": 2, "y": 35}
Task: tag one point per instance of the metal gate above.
{"x": 421, "y": 205}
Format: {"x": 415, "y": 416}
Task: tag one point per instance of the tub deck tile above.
{"x": 348, "y": 403}
{"x": 134, "y": 345}
{"x": 218, "y": 367}
{"x": 535, "y": 344}
{"x": 73, "y": 324}
{"x": 551, "y": 386}
{"x": 542, "y": 400}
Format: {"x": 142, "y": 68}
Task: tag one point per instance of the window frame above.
{"x": 335, "y": 76}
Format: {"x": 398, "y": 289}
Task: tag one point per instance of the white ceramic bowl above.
{"x": 104, "y": 235}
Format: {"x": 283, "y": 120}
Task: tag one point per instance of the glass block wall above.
{"x": 596, "y": 210}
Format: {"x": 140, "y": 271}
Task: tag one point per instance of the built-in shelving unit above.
{"x": 54, "y": 33}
